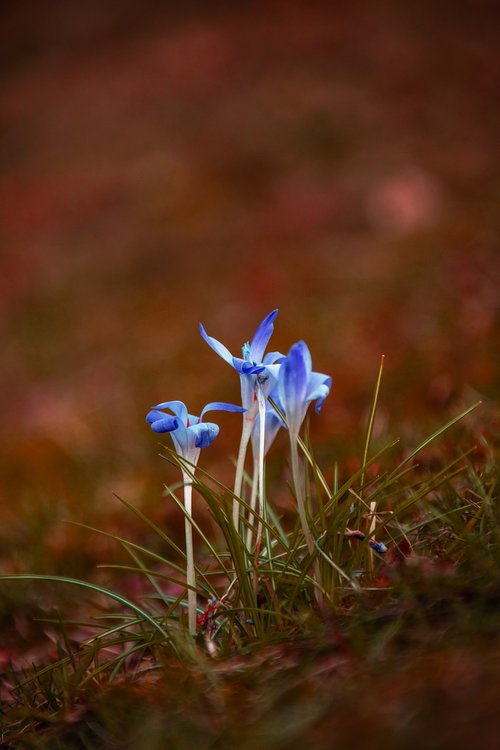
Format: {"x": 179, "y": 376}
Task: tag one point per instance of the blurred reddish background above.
{"x": 163, "y": 165}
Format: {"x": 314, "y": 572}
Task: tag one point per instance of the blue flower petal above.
{"x": 182, "y": 443}
{"x": 318, "y": 389}
{"x": 273, "y": 372}
{"x": 305, "y": 354}
{"x": 154, "y": 415}
{"x": 293, "y": 377}
{"x": 262, "y": 336}
{"x": 166, "y": 424}
{"x": 219, "y": 348}
{"x": 221, "y": 406}
{"x": 246, "y": 368}
{"x": 292, "y": 387}
{"x": 272, "y": 357}
{"x": 248, "y": 396}
{"x": 178, "y": 408}
{"x": 320, "y": 401}
{"x": 205, "y": 433}
{"x": 378, "y": 546}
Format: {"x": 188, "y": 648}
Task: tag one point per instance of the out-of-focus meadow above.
{"x": 164, "y": 164}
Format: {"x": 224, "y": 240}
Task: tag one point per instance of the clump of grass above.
{"x": 253, "y": 598}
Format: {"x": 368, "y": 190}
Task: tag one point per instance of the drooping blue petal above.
{"x": 154, "y": 415}
{"x": 318, "y": 389}
{"x": 178, "y": 408}
{"x": 221, "y": 406}
{"x": 205, "y": 433}
{"x": 246, "y": 368}
{"x": 321, "y": 400}
{"x": 165, "y": 424}
{"x": 262, "y": 336}
{"x": 219, "y": 348}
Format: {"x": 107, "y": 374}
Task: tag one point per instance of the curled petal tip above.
{"x": 205, "y": 434}
{"x": 166, "y": 424}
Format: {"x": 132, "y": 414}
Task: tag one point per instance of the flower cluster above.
{"x": 276, "y": 391}
{"x": 288, "y": 380}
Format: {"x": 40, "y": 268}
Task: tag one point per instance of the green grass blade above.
{"x": 436, "y": 434}
{"x": 371, "y": 420}
{"x": 90, "y": 587}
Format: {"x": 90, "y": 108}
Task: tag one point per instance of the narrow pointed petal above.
{"x": 262, "y": 336}
{"x": 221, "y": 406}
{"x": 177, "y": 407}
{"x": 205, "y": 433}
{"x": 219, "y": 348}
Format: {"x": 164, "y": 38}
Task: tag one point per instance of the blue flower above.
{"x": 377, "y": 546}
{"x": 189, "y": 433}
{"x": 298, "y": 386}
{"x": 254, "y": 366}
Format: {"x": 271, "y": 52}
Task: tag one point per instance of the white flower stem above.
{"x": 253, "y": 501}
{"x": 190, "y": 574}
{"x": 240, "y": 466}
{"x": 262, "y": 495}
{"x": 298, "y": 480}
